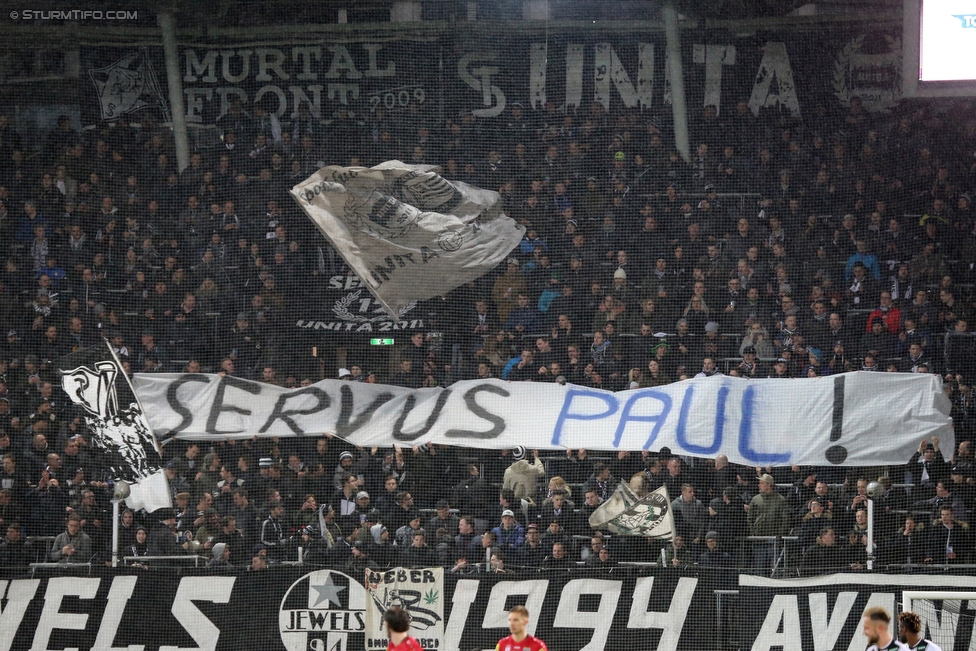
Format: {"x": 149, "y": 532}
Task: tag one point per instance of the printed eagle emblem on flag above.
{"x": 128, "y": 85}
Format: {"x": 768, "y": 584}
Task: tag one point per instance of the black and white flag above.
{"x": 94, "y": 379}
{"x": 628, "y": 514}
{"x": 407, "y": 232}
{"x": 128, "y": 85}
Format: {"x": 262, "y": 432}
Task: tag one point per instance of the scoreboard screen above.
{"x": 947, "y": 41}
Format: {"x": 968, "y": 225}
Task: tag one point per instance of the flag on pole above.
{"x": 407, "y": 232}
{"x": 128, "y": 85}
{"x": 626, "y": 514}
{"x": 94, "y": 379}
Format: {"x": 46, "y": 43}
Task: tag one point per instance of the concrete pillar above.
{"x": 175, "y": 82}
{"x": 678, "y": 107}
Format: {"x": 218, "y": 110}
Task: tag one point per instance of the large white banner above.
{"x": 856, "y": 418}
{"x": 406, "y": 231}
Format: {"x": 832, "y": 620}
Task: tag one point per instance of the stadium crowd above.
{"x": 784, "y": 249}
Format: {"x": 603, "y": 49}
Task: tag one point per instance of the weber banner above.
{"x": 859, "y": 419}
{"x": 419, "y": 592}
{"x": 823, "y": 613}
{"x": 406, "y": 231}
{"x": 94, "y": 379}
{"x": 628, "y": 514}
{"x": 297, "y": 609}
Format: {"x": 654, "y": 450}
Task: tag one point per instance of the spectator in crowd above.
{"x": 444, "y": 518}
{"x": 691, "y": 516}
{"x": 273, "y": 533}
{"x": 510, "y": 535}
{"x": 522, "y": 475}
{"x": 826, "y": 554}
{"x": 713, "y": 556}
{"x": 13, "y": 551}
{"x": 558, "y": 558}
{"x": 949, "y": 542}
{"x": 73, "y": 545}
{"x": 164, "y": 539}
{"x": 769, "y": 518}
{"x": 928, "y": 467}
{"x": 677, "y": 553}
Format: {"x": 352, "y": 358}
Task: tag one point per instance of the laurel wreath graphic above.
{"x": 841, "y": 88}
{"x": 341, "y": 310}
{"x": 841, "y": 83}
{"x": 341, "y": 307}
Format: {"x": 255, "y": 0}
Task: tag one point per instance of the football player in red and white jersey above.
{"x": 519, "y": 640}
{"x": 397, "y": 628}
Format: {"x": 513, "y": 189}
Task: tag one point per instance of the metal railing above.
{"x": 179, "y": 560}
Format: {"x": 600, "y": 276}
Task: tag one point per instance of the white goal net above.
{"x": 947, "y": 616}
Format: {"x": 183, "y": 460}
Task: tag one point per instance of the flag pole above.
{"x": 115, "y": 532}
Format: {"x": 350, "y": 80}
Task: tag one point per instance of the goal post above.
{"x": 940, "y": 622}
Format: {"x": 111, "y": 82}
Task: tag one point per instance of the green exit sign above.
{"x": 380, "y": 342}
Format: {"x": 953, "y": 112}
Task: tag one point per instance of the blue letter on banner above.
{"x": 745, "y": 433}
{"x": 723, "y": 393}
{"x": 565, "y": 414}
{"x": 658, "y": 419}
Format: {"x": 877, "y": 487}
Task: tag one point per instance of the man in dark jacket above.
{"x": 928, "y": 468}
{"x": 233, "y": 539}
{"x": 907, "y": 545}
{"x": 163, "y": 538}
{"x": 826, "y": 555}
{"x": 713, "y": 556}
{"x": 534, "y": 551}
{"x": 13, "y": 552}
{"x": 418, "y": 554}
{"x": 948, "y": 541}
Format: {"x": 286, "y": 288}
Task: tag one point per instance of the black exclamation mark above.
{"x": 837, "y": 454}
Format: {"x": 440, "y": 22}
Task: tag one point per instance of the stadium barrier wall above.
{"x": 297, "y": 607}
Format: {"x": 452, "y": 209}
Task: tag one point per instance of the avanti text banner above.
{"x": 860, "y": 419}
{"x": 823, "y": 613}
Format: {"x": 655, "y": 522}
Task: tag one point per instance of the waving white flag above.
{"x": 407, "y": 232}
